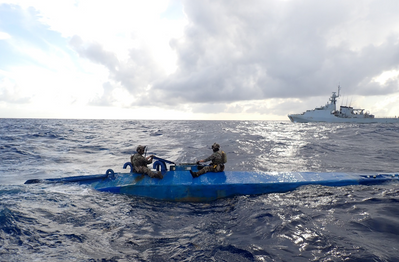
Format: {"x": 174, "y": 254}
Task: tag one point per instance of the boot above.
{"x": 194, "y": 174}
{"x": 158, "y": 175}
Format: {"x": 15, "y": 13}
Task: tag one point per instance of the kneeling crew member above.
{"x": 216, "y": 165}
{"x": 140, "y": 163}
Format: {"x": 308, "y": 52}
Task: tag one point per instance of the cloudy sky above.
{"x": 207, "y": 59}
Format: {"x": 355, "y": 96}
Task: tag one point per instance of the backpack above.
{"x": 224, "y": 157}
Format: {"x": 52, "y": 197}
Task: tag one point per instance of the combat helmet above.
{"x": 215, "y": 145}
{"x": 140, "y": 149}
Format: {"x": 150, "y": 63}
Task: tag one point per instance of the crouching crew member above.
{"x": 140, "y": 163}
{"x": 218, "y": 159}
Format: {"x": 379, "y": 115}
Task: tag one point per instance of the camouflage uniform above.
{"x": 215, "y": 166}
{"x": 140, "y": 166}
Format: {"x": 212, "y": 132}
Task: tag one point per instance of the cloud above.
{"x": 208, "y": 57}
{"x": 232, "y": 51}
{"x": 96, "y": 53}
{"x": 106, "y": 99}
{"x": 4, "y": 35}
{"x": 134, "y": 74}
{"x": 10, "y": 92}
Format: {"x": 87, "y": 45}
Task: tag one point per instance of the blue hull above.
{"x": 178, "y": 185}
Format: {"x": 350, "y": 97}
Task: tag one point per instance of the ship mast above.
{"x": 333, "y": 97}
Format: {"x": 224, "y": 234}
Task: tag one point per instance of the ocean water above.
{"x": 41, "y": 222}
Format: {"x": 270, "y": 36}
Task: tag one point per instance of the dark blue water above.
{"x": 314, "y": 223}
